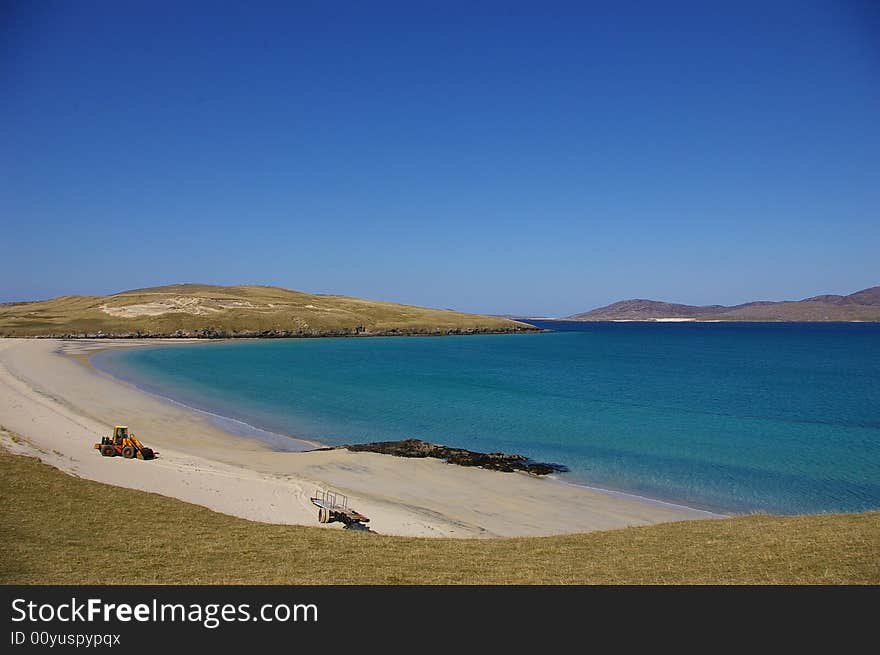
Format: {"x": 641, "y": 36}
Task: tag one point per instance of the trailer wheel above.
{"x": 128, "y": 452}
{"x": 324, "y": 515}
{"x": 108, "y": 451}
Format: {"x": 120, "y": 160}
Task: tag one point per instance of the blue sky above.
{"x": 542, "y": 157}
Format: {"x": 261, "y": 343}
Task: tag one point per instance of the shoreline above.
{"x": 225, "y": 335}
{"x": 248, "y": 431}
{"x": 689, "y": 320}
{"x": 59, "y": 403}
{"x": 312, "y": 444}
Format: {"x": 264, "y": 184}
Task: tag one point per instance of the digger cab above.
{"x": 120, "y": 433}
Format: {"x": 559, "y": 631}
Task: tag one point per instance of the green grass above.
{"x": 57, "y": 529}
{"x": 235, "y": 311}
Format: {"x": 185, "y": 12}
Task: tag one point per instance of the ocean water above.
{"x": 733, "y": 417}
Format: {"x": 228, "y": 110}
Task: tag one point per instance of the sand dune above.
{"x": 59, "y": 405}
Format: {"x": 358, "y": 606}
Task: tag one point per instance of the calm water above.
{"x": 736, "y": 417}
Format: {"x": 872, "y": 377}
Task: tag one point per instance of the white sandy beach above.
{"x": 60, "y": 405}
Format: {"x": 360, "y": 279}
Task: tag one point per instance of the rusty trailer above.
{"x": 333, "y": 506}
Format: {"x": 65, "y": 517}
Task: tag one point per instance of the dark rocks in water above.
{"x": 494, "y": 461}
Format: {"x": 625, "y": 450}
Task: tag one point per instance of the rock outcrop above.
{"x": 494, "y": 461}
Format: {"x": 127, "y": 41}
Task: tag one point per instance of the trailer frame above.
{"x": 333, "y": 506}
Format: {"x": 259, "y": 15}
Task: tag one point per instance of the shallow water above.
{"x": 732, "y": 417}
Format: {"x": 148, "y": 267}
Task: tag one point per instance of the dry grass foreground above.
{"x": 58, "y": 529}
{"x": 199, "y": 310}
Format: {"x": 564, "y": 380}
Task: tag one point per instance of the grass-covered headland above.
{"x": 210, "y": 311}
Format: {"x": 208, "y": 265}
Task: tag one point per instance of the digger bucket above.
{"x": 146, "y": 453}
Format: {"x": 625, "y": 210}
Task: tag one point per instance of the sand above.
{"x": 59, "y": 405}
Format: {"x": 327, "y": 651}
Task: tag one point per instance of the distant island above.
{"x": 209, "y": 311}
{"x": 860, "y": 306}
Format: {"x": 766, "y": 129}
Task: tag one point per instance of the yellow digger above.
{"x": 125, "y": 444}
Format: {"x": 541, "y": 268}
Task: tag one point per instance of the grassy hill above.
{"x": 56, "y": 532}
{"x": 198, "y": 310}
{"x": 860, "y": 306}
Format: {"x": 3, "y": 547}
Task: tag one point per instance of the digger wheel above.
{"x": 128, "y": 452}
{"x": 108, "y": 451}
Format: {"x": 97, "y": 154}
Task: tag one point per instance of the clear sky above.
{"x": 541, "y": 157}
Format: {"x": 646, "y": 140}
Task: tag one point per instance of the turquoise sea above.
{"x": 735, "y": 417}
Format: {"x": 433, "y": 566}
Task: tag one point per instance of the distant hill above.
{"x": 199, "y": 310}
{"x": 860, "y": 306}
